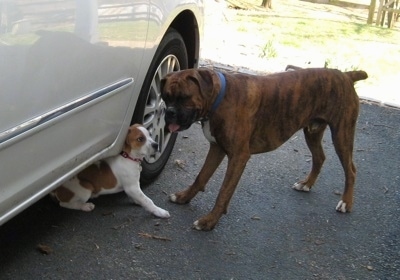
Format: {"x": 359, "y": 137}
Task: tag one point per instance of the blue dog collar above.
{"x": 221, "y": 92}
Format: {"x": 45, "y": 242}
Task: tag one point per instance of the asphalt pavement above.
{"x": 270, "y": 231}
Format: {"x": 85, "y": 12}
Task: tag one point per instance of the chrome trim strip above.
{"x": 35, "y": 122}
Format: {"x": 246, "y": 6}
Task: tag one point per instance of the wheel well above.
{"x": 186, "y": 24}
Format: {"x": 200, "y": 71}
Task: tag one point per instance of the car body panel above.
{"x": 70, "y": 76}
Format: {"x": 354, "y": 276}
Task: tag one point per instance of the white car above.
{"x": 74, "y": 74}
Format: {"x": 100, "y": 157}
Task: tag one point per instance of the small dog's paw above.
{"x": 161, "y": 213}
{"x": 341, "y": 207}
{"x": 87, "y": 207}
{"x": 300, "y": 187}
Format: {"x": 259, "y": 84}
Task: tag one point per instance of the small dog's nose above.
{"x": 154, "y": 145}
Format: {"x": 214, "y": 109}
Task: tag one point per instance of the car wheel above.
{"x": 170, "y": 56}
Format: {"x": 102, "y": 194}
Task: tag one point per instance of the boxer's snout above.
{"x": 171, "y": 113}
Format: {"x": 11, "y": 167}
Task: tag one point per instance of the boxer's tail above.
{"x": 357, "y": 75}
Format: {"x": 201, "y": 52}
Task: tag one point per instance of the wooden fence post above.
{"x": 371, "y": 12}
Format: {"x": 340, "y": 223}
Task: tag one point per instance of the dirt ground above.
{"x": 224, "y": 46}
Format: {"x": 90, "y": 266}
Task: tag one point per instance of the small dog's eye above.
{"x": 140, "y": 139}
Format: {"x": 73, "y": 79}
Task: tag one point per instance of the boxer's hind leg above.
{"x": 213, "y": 160}
{"x": 343, "y": 140}
{"x": 313, "y": 135}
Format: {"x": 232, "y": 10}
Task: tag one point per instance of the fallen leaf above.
{"x": 180, "y": 163}
{"x": 107, "y": 213}
{"x": 44, "y": 249}
{"x": 385, "y": 189}
{"x": 139, "y": 246}
{"x": 148, "y": 235}
{"x": 120, "y": 226}
{"x": 319, "y": 242}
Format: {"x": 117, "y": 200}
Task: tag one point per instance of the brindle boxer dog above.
{"x": 244, "y": 114}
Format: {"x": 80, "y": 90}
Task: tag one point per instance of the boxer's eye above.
{"x": 165, "y": 98}
{"x": 140, "y": 139}
{"x": 184, "y": 99}
{"x": 168, "y": 100}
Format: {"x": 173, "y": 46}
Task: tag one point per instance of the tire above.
{"x": 170, "y": 56}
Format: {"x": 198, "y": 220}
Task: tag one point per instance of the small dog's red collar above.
{"x": 126, "y": 155}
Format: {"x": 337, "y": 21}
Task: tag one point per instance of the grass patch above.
{"x": 346, "y": 42}
{"x": 269, "y": 50}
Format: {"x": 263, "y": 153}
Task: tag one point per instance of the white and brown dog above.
{"x": 112, "y": 175}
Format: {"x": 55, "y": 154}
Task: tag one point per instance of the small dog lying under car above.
{"x": 112, "y": 175}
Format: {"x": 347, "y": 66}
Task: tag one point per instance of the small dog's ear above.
{"x": 127, "y": 138}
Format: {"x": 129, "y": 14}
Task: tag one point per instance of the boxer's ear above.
{"x": 205, "y": 80}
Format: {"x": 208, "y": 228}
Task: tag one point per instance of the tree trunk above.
{"x": 267, "y": 4}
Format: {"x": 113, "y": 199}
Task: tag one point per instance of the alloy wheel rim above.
{"x": 154, "y": 112}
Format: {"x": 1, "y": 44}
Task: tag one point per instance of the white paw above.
{"x": 341, "y": 207}
{"x": 172, "y": 197}
{"x": 161, "y": 213}
{"x": 300, "y": 187}
{"x": 196, "y": 225}
{"x": 87, "y": 207}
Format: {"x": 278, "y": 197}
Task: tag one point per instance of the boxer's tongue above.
{"x": 173, "y": 127}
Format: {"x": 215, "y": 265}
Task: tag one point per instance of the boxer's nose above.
{"x": 171, "y": 113}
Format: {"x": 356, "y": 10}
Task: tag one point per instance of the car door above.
{"x": 67, "y": 89}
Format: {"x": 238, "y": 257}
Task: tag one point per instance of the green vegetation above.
{"x": 269, "y": 51}
{"x": 346, "y": 42}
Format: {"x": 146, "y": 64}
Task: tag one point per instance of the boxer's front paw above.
{"x": 299, "y": 186}
{"x": 205, "y": 223}
{"x": 180, "y": 198}
{"x": 343, "y": 207}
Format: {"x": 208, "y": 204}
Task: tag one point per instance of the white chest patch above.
{"x": 207, "y": 132}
